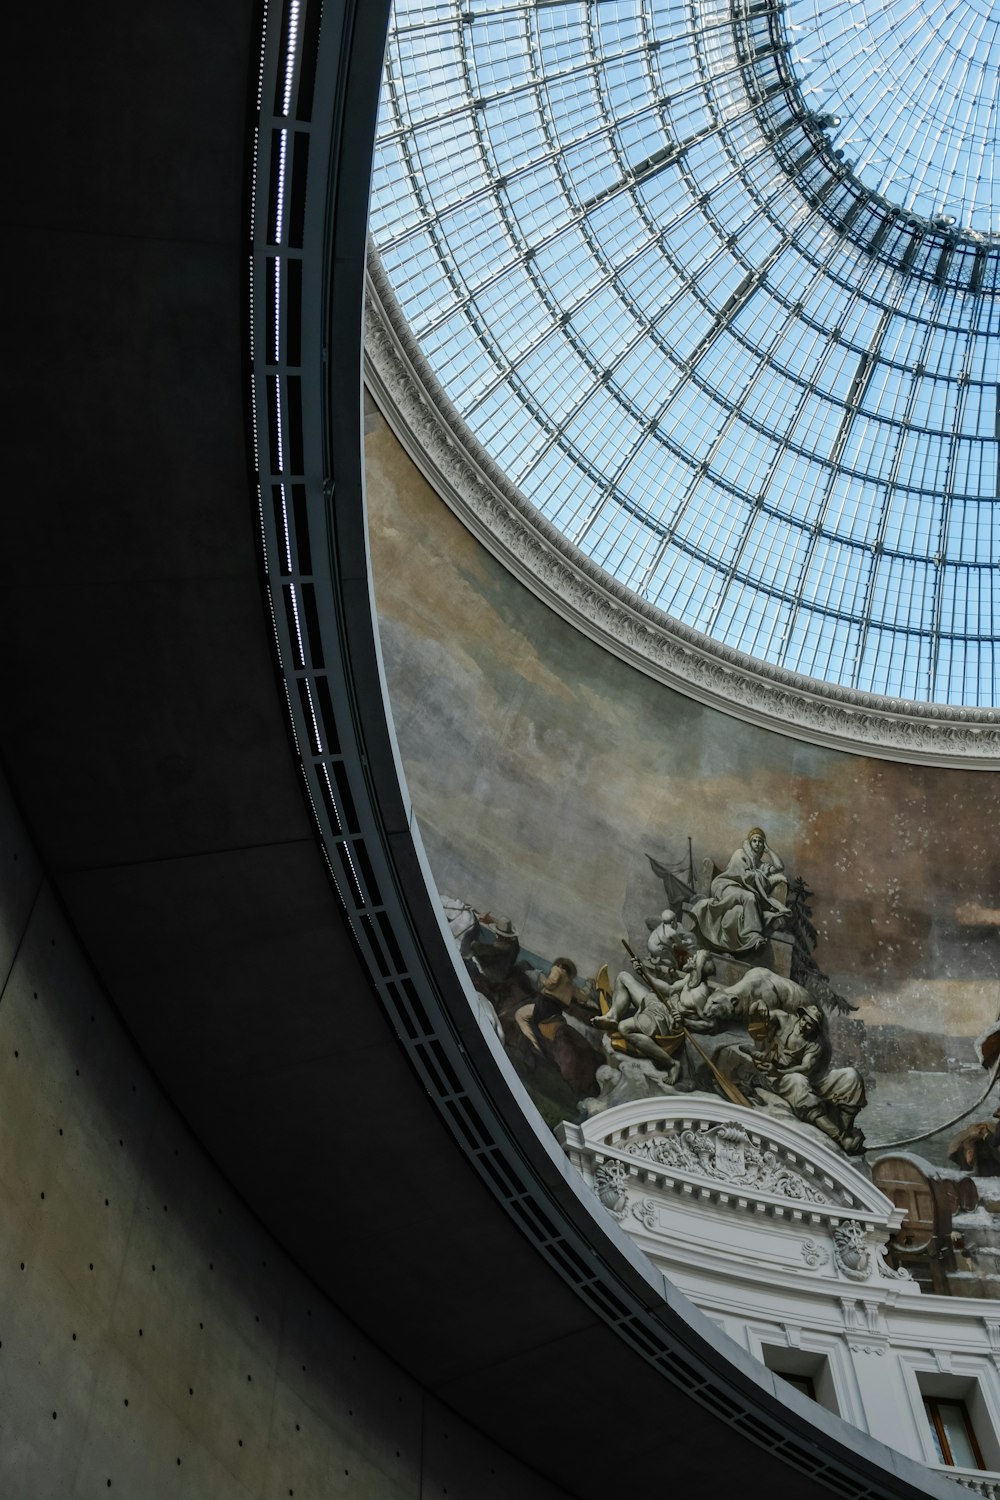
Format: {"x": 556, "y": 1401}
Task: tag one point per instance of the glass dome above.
{"x": 689, "y": 274}
{"x": 910, "y": 94}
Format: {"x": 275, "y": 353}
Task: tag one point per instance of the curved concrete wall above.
{"x": 154, "y": 1340}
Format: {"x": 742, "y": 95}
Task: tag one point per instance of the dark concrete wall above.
{"x": 147, "y": 743}
{"x": 154, "y": 1340}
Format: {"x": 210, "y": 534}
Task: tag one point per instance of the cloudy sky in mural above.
{"x": 561, "y": 768}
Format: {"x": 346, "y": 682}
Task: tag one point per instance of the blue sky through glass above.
{"x": 761, "y": 427}
{"x": 914, "y": 85}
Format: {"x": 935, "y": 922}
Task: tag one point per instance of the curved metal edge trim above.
{"x": 509, "y": 526}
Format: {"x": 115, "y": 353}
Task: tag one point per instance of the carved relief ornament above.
{"x": 610, "y": 1178}
{"x": 851, "y": 1254}
{"x": 726, "y": 1153}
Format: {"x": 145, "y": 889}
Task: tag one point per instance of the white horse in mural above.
{"x": 463, "y": 921}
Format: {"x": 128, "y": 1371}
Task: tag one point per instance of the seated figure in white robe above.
{"x": 747, "y": 900}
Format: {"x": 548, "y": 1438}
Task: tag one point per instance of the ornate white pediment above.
{"x": 719, "y": 1152}
{"x": 713, "y": 1190}
{"x": 727, "y": 1153}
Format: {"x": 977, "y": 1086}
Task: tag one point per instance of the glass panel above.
{"x": 776, "y": 424}
{"x": 955, "y": 1422}
{"x": 918, "y": 125}
{"x": 936, "y": 1434}
{"x": 800, "y": 1382}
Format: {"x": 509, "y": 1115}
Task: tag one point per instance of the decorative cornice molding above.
{"x": 726, "y": 1153}
{"x": 506, "y": 523}
{"x": 719, "y": 1153}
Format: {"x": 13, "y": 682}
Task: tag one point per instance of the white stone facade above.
{"x": 780, "y": 1239}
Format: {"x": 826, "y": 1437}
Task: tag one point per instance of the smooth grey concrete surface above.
{"x": 152, "y": 1334}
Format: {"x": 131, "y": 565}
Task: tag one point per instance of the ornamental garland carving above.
{"x": 610, "y": 1178}
{"x": 814, "y": 1254}
{"x": 727, "y": 1154}
{"x": 850, "y": 1250}
{"x": 505, "y": 521}
{"x": 646, "y": 1212}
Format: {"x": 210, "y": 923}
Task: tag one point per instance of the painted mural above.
{"x": 652, "y": 898}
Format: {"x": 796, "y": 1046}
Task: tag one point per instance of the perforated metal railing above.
{"x": 316, "y": 101}
{"x": 749, "y": 388}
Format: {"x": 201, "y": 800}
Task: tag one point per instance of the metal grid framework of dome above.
{"x": 910, "y": 92}
{"x": 732, "y": 371}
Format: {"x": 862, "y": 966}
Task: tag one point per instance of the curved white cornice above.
{"x": 496, "y": 512}
{"x": 823, "y": 1184}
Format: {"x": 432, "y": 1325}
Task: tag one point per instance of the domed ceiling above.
{"x": 910, "y": 93}
{"x": 715, "y": 285}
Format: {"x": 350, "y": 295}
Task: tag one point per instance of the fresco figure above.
{"x": 623, "y": 1079}
{"x": 650, "y": 1014}
{"x": 667, "y": 941}
{"x": 466, "y": 928}
{"x": 644, "y": 1019}
{"x": 543, "y": 1022}
{"x": 690, "y": 996}
{"x": 977, "y": 1149}
{"x": 494, "y": 948}
{"x": 630, "y": 994}
{"x": 747, "y": 900}
{"x": 539, "y": 1020}
{"x": 795, "y": 1063}
{"x": 757, "y": 993}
